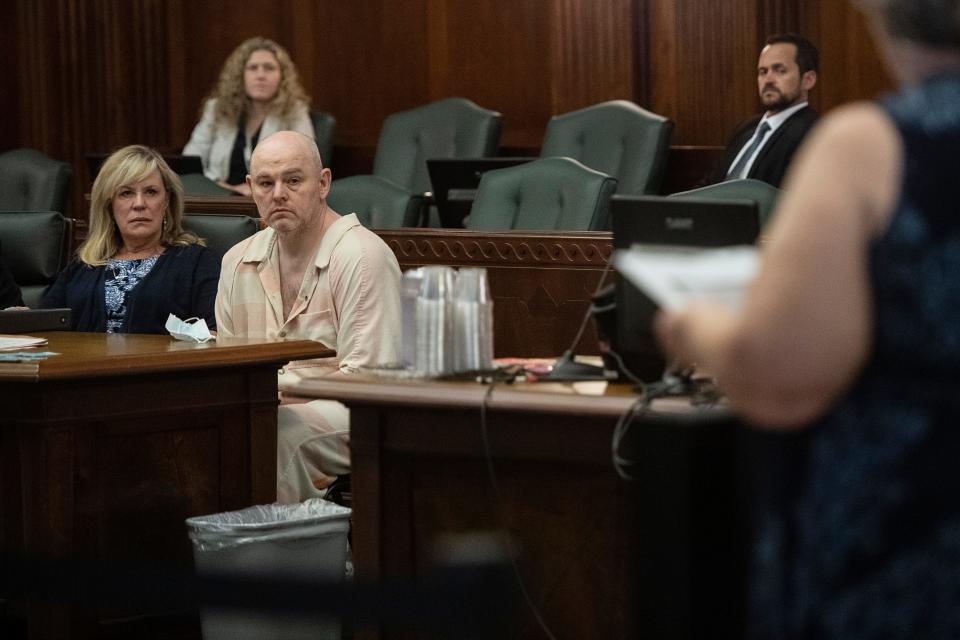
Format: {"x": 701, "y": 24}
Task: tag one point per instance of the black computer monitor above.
{"x": 455, "y": 180}
{"x": 667, "y": 221}
{"x": 29, "y": 320}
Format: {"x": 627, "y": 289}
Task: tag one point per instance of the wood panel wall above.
{"x": 93, "y": 75}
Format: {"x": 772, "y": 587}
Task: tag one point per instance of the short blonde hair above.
{"x": 231, "y": 94}
{"x": 124, "y": 167}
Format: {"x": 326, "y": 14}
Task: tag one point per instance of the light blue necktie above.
{"x": 758, "y": 137}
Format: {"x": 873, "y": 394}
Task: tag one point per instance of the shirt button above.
{"x": 283, "y": 334}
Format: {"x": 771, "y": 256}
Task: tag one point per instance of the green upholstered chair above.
{"x": 197, "y": 184}
{"x": 378, "y": 203}
{"x": 555, "y": 194}
{"x": 765, "y": 195}
{"x": 324, "y": 125}
{"x": 35, "y": 247}
{"x": 617, "y": 138}
{"x": 449, "y": 128}
{"x": 30, "y": 181}
{"x": 220, "y": 232}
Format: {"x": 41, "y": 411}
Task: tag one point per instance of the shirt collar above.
{"x": 263, "y": 243}
{"x": 779, "y": 118}
{"x": 332, "y": 237}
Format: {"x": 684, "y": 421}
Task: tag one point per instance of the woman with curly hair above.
{"x": 258, "y": 93}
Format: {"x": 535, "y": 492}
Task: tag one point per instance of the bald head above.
{"x": 288, "y": 145}
{"x": 288, "y": 182}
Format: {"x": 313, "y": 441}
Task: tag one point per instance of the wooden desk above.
{"x": 420, "y": 470}
{"x": 108, "y": 447}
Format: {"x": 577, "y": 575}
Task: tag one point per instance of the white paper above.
{"x": 13, "y": 343}
{"x": 673, "y": 277}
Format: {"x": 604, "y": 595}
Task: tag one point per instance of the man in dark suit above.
{"x": 762, "y": 147}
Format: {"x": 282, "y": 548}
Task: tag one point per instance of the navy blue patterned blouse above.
{"x": 122, "y": 276}
{"x": 865, "y": 543}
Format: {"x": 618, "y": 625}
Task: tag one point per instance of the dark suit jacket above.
{"x": 775, "y": 156}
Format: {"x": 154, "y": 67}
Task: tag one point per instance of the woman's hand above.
{"x": 670, "y": 328}
{"x": 243, "y": 188}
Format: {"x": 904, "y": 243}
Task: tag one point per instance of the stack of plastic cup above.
{"x": 410, "y": 285}
{"x": 434, "y": 321}
{"x": 473, "y": 321}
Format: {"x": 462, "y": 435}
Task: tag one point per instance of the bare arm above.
{"x": 242, "y": 189}
{"x": 805, "y": 331}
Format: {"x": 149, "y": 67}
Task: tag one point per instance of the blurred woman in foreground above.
{"x": 852, "y": 331}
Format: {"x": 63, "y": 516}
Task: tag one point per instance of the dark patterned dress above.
{"x": 865, "y": 542}
{"x": 121, "y": 277}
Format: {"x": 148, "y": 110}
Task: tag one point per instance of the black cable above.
{"x": 568, "y": 354}
{"x": 623, "y": 368}
{"x": 638, "y": 408}
{"x": 703, "y": 394}
{"x": 495, "y": 489}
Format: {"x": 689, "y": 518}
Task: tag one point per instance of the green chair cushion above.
{"x": 197, "y": 184}
{"x": 30, "y": 181}
{"x": 450, "y": 128}
{"x": 324, "y": 125}
{"x": 33, "y": 247}
{"x": 378, "y": 203}
{"x": 765, "y": 195}
{"x": 220, "y": 232}
{"x": 550, "y": 194}
{"x": 617, "y": 138}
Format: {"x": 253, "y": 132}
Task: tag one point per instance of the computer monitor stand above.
{"x": 569, "y": 370}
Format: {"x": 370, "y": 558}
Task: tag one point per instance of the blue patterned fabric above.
{"x": 864, "y": 542}
{"x": 122, "y": 277}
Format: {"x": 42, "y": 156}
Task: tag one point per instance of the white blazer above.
{"x": 214, "y": 143}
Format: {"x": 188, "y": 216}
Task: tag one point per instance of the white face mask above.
{"x": 190, "y": 330}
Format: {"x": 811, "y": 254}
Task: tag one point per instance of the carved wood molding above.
{"x": 427, "y": 246}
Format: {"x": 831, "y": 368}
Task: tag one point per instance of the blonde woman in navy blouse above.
{"x": 138, "y": 264}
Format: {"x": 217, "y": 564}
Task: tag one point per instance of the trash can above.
{"x": 301, "y": 541}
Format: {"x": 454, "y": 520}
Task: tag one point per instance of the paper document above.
{"x": 673, "y": 277}
{"x": 25, "y": 356}
{"x": 14, "y": 343}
